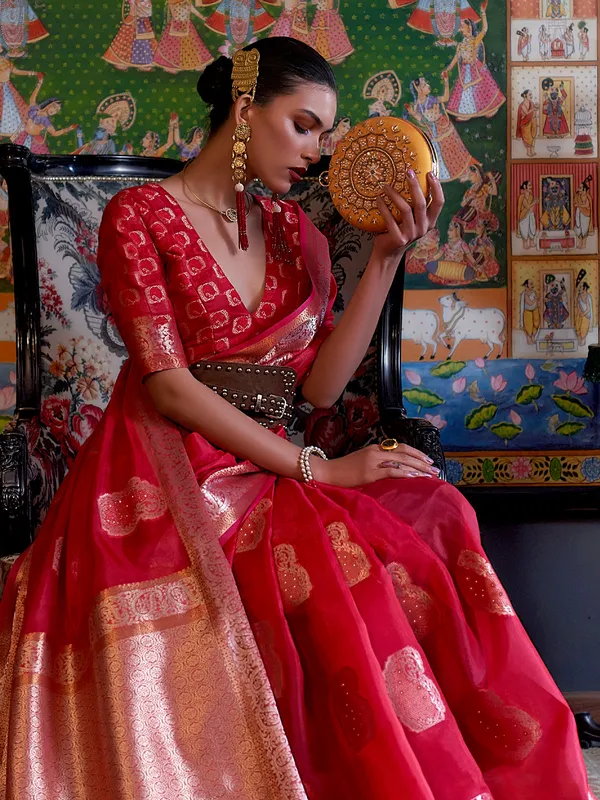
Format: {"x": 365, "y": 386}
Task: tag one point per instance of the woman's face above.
{"x": 287, "y": 134}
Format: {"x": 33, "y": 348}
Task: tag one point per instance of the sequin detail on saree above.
{"x": 294, "y": 580}
{"x": 506, "y": 733}
{"x": 415, "y": 697}
{"x": 420, "y": 608}
{"x": 351, "y": 709}
{"x": 351, "y": 557}
{"x": 120, "y": 512}
{"x": 480, "y": 585}
{"x": 252, "y": 530}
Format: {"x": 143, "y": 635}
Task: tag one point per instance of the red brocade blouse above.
{"x": 171, "y": 302}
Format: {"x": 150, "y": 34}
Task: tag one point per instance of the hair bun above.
{"x": 215, "y": 80}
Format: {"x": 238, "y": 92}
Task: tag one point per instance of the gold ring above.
{"x": 388, "y": 444}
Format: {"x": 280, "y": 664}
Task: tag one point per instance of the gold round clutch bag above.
{"x": 373, "y": 153}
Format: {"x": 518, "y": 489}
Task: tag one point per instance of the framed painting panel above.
{"x": 554, "y": 112}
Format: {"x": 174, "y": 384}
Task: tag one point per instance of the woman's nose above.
{"x": 313, "y": 155}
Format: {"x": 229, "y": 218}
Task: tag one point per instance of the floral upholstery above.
{"x": 81, "y": 351}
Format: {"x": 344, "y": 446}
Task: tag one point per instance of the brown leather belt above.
{"x": 264, "y": 393}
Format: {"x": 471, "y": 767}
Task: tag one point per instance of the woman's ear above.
{"x": 242, "y": 108}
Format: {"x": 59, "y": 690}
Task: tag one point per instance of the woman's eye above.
{"x": 300, "y": 129}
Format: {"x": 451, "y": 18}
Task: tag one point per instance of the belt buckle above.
{"x": 273, "y": 406}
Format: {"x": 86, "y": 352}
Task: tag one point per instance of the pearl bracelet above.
{"x": 304, "y": 461}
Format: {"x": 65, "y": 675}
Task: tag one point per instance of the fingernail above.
{"x": 433, "y": 176}
{"x": 429, "y": 460}
{"x": 411, "y": 174}
{"x": 435, "y": 470}
{"x": 418, "y": 475}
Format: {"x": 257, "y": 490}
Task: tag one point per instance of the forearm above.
{"x": 180, "y": 397}
{"x": 343, "y": 350}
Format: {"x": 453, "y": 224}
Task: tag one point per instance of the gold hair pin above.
{"x": 244, "y": 74}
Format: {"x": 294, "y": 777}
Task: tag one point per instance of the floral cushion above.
{"x": 82, "y": 351}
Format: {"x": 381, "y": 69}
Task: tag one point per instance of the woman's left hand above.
{"x": 415, "y": 222}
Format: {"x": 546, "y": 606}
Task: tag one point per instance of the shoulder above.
{"x": 139, "y": 203}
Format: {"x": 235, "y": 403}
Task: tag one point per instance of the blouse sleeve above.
{"x": 134, "y": 280}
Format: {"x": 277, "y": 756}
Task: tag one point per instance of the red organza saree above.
{"x": 188, "y": 626}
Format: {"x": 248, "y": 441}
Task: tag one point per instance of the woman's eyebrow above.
{"x": 316, "y": 118}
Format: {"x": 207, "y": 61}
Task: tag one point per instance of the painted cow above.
{"x": 7, "y": 323}
{"x": 487, "y": 325}
{"x": 421, "y": 326}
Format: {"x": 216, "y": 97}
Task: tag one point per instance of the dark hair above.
{"x": 284, "y": 64}
{"x": 49, "y": 101}
{"x": 524, "y": 184}
{"x": 193, "y": 131}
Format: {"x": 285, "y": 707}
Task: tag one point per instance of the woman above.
{"x": 484, "y": 252}
{"x": 293, "y": 21}
{"x": 527, "y": 122}
{"x": 328, "y": 32}
{"x": 13, "y": 108}
{"x": 584, "y": 220}
{"x": 454, "y": 264}
{"x": 430, "y": 114}
{"x": 475, "y": 93}
{"x": 186, "y": 558}
{"x": 19, "y": 26}
{"x": 135, "y": 42}
{"x": 330, "y": 140}
{"x": 181, "y": 47}
{"x": 35, "y": 130}
{"x": 526, "y": 221}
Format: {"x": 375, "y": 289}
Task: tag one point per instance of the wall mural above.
{"x": 502, "y": 299}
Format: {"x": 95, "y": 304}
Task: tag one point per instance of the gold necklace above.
{"x": 230, "y": 214}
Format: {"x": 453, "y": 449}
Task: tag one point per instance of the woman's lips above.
{"x": 294, "y": 177}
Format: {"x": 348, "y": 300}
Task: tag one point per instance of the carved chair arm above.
{"x": 418, "y": 433}
{"x": 15, "y": 506}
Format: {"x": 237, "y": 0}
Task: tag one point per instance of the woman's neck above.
{"x": 209, "y": 174}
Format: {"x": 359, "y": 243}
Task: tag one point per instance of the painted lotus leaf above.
{"x": 555, "y": 469}
{"x": 480, "y": 416}
{"x": 488, "y": 470}
{"x": 506, "y": 430}
{"x": 447, "y": 369}
{"x": 527, "y": 394}
{"x": 572, "y": 405}
{"x": 423, "y": 398}
{"x": 4, "y": 420}
{"x": 570, "y": 428}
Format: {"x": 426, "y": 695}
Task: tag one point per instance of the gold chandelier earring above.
{"x": 244, "y": 77}
{"x": 239, "y": 157}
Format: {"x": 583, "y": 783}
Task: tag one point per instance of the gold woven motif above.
{"x": 374, "y": 153}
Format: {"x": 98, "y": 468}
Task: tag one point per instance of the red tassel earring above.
{"x": 280, "y": 245}
{"x": 240, "y": 205}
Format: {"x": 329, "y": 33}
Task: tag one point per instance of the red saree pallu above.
{"x": 187, "y": 625}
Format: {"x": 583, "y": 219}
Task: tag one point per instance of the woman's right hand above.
{"x": 373, "y": 464}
